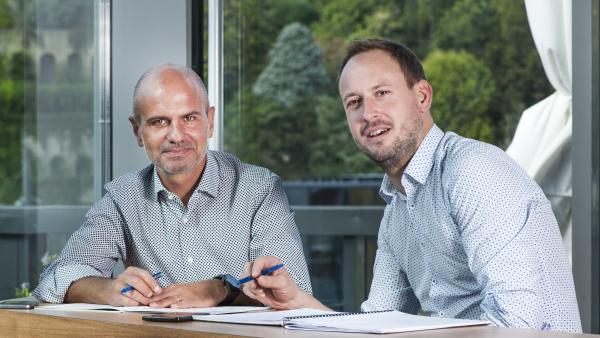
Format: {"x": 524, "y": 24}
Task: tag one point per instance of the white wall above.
{"x": 145, "y": 33}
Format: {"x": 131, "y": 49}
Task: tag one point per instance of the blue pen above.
{"x": 262, "y": 273}
{"x": 128, "y": 288}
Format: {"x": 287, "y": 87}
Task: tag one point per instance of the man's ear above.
{"x": 211, "y": 120}
{"x": 424, "y": 93}
{"x": 136, "y": 130}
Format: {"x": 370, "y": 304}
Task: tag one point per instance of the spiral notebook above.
{"x": 365, "y": 322}
{"x": 374, "y": 322}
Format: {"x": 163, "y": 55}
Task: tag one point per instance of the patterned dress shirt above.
{"x": 473, "y": 237}
{"x": 237, "y": 213}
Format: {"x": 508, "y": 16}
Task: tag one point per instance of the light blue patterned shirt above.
{"x": 474, "y": 237}
{"x": 237, "y": 213}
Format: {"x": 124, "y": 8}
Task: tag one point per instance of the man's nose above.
{"x": 370, "y": 109}
{"x": 175, "y": 134}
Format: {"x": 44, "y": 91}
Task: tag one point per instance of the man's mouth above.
{"x": 377, "y": 132}
{"x": 176, "y": 151}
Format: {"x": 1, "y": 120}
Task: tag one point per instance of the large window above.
{"x": 47, "y": 62}
{"x": 282, "y": 109}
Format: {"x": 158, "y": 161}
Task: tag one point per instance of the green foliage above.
{"x": 249, "y": 33}
{"x": 295, "y": 71}
{"x": 333, "y": 151}
{"x": 6, "y": 20}
{"x": 276, "y": 136}
{"x": 463, "y": 89}
{"x": 12, "y": 108}
{"x": 23, "y": 291}
{"x": 497, "y": 34}
{"x": 490, "y": 57}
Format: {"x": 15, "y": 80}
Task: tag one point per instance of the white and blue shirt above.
{"x": 473, "y": 237}
{"x": 237, "y": 213}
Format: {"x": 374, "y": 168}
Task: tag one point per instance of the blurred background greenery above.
{"x": 281, "y": 63}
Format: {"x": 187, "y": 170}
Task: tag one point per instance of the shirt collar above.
{"x": 209, "y": 182}
{"x": 387, "y": 189}
{"x": 420, "y": 164}
{"x": 157, "y": 184}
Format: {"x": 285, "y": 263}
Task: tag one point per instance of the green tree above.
{"x": 276, "y": 123}
{"x": 333, "y": 151}
{"x": 463, "y": 88}
{"x": 497, "y": 34}
{"x": 295, "y": 70}
{"x": 12, "y": 107}
{"x": 252, "y": 28}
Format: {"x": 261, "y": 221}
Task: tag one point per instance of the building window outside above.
{"x": 282, "y": 110}
{"x": 47, "y": 147}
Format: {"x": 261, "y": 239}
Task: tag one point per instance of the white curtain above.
{"x": 542, "y": 141}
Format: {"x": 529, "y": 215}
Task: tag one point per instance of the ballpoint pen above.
{"x": 262, "y": 273}
{"x": 128, "y": 288}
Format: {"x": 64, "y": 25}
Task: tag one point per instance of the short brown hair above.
{"x": 409, "y": 63}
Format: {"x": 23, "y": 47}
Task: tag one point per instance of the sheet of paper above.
{"x": 376, "y": 322}
{"x": 260, "y": 318}
{"x": 77, "y": 307}
{"x": 147, "y": 309}
{"x": 208, "y": 310}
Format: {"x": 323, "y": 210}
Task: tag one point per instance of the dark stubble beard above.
{"x": 402, "y": 150}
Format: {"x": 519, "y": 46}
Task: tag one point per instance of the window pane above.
{"x": 47, "y": 148}
{"x": 282, "y": 108}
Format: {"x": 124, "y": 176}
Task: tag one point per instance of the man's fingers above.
{"x": 140, "y": 285}
{"x": 137, "y": 297}
{"x": 150, "y": 283}
{"x": 252, "y": 292}
{"x": 126, "y": 301}
{"x": 163, "y": 295}
{"x": 274, "y": 282}
{"x": 166, "y": 302}
{"x": 262, "y": 263}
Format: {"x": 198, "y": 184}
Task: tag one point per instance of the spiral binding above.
{"x": 341, "y": 314}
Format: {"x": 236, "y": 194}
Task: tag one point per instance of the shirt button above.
{"x": 184, "y": 220}
{"x": 170, "y": 197}
{"x": 190, "y": 260}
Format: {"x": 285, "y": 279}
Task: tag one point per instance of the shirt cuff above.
{"x": 54, "y": 285}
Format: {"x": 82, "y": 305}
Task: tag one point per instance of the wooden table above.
{"x": 55, "y": 323}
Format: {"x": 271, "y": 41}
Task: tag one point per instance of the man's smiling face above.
{"x": 384, "y": 115}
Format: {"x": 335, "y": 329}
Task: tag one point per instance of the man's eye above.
{"x": 353, "y": 102}
{"x": 382, "y": 92}
{"x": 190, "y": 118}
{"x": 160, "y": 122}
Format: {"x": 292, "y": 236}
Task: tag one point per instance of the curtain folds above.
{"x": 542, "y": 141}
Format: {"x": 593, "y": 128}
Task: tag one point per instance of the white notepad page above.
{"x": 261, "y": 318}
{"x": 376, "y": 322}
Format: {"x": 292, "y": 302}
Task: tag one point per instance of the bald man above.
{"x": 183, "y": 226}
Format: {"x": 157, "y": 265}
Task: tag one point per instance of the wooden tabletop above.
{"x": 59, "y": 323}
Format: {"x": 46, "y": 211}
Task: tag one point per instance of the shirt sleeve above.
{"x": 274, "y": 233}
{"x": 92, "y": 250}
{"x": 390, "y": 289}
{"x": 512, "y": 243}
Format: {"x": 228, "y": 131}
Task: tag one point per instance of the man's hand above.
{"x": 278, "y": 290}
{"x": 99, "y": 290}
{"x": 205, "y": 293}
{"x": 144, "y": 287}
